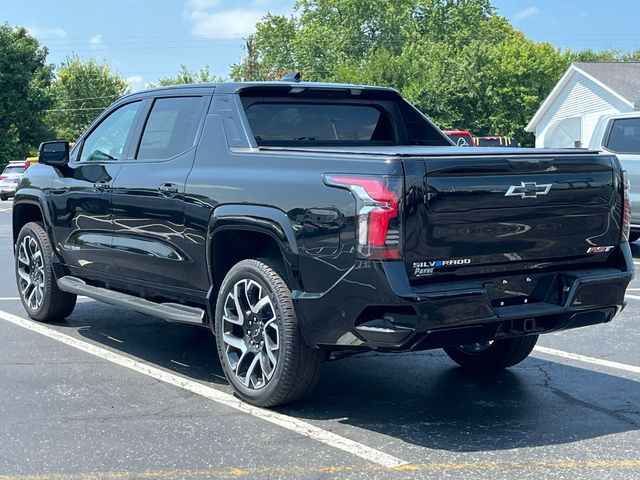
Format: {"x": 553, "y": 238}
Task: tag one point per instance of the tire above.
{"x": 34, "y": 273}
{"x": 267, "y": 316}
{"x": 634, "y": 236}
{"x": 495, "y": 356}
{"x": 3, "y": 197}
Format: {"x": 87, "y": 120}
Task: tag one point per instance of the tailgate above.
{"x": 476, "y": 212}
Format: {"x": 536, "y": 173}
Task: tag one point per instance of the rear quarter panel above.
{"x": 322, "y": 218}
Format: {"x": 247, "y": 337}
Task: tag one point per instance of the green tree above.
{"x": 189, "y": 76}
{"x": 458, "y": 60}
{"x": 80, "y": 91}
{"x": 24, "y": 78}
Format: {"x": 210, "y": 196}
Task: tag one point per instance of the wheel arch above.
{"x": 29, "y": 207}
{"x": 237, "y": 232}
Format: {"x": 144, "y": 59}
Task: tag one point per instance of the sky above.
{"x": 144, "y": 40}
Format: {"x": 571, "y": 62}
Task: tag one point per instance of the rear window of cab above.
{"x": 286, "y": 123}
{"x": 308, "y": 117}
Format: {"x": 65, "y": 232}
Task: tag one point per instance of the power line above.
{"x": 92, "y": 98}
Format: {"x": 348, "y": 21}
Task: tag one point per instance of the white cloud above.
{"x": 527, "y": 12}
{"x": 211, "y": 22}
{"x": 96, "y": 40}
{"x": 136, "y": 83}
{"x": 44, "y": 32}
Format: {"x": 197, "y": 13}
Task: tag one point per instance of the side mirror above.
{"x": 54, "y": 154}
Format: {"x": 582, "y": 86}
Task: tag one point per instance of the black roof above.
{"x": 235, "y": 87}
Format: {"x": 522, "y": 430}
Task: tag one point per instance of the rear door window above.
{"x": 170, "y": 128}
{"x": 624, "y": 136}
{"x": 308, "y": 123}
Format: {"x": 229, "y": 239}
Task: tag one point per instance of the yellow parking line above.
{"x": 335, "y": 469}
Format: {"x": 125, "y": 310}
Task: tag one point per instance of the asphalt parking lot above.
{"x": 118, "y": 395}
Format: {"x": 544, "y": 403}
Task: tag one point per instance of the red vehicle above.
{"x": 461, "y": 138}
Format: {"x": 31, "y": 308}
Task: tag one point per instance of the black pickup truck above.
{"x": 304, "y": 222}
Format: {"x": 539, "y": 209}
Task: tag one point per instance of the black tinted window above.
{"x": 625, "y": 136}
{"x": 287, "y": 123}
{"x": 419, "y": 130}
{"x": 171, "y": 128}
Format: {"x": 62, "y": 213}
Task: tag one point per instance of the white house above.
{"x": 586, "y": 91}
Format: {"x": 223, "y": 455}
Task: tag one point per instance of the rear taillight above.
{"x": 626, "y": 211}
{"x": 377, "y": 212}
{"x": 2, "y": 177}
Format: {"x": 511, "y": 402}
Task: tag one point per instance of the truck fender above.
{"x": 36, "y": 197}
{"x": 261, "y": 219}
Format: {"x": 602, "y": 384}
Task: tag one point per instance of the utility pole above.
{"x": 250, "y": 47}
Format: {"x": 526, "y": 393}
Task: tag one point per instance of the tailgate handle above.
{"x": 530, "y": 163}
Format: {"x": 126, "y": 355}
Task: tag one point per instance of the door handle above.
{"x": 101, "y": 186}
{"x": 168, "y": 189}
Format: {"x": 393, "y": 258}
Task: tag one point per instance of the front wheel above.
{"x": 258, "y": 337}
{"x": 492, "y": 355}
{"x": 39, "y": 292}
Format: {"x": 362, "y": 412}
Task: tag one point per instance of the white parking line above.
{"x": 290, "y": 423}
{"x": 632, "y": 297}
{"x": 591, "y": 360}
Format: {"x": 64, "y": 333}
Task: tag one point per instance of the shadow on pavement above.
{"x": 420, "y": 398}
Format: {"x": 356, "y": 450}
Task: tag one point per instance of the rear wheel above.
{"x": 633, "y": 236}
{"x": 39, "y": 292}
{"x": 492, "y": 355}
{"x": 258, "y": 337}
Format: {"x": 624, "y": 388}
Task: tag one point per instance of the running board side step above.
{"x": 172, "y": 312}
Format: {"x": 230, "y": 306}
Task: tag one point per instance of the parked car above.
{"x": 495, "y": 141}
{"x": 303, "y": 222}
{"x": 619, "y": 134}
{"x": 461, "y": 138}
{"x": 10, "y": 177}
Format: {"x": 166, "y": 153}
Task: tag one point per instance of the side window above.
{"x": 107, "y": 140}
{"x": 171, "y": 128}
{"x": 419, "y": 130}
{"x": 624, "y": 136}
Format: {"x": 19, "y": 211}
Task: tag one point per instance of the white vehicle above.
{"x": 10, "y": 177}
{"x": 619, "y": 133}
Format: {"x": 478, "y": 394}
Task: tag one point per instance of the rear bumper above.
{"x": 374, "y": 306}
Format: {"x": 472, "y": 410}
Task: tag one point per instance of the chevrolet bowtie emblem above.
{"x": 527, "y": 190}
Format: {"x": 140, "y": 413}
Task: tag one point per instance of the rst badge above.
{"x": 422, "y": 269}
{"x": 602, "y": 249}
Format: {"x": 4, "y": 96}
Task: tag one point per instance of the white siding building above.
{"x": 586, "y": 91}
